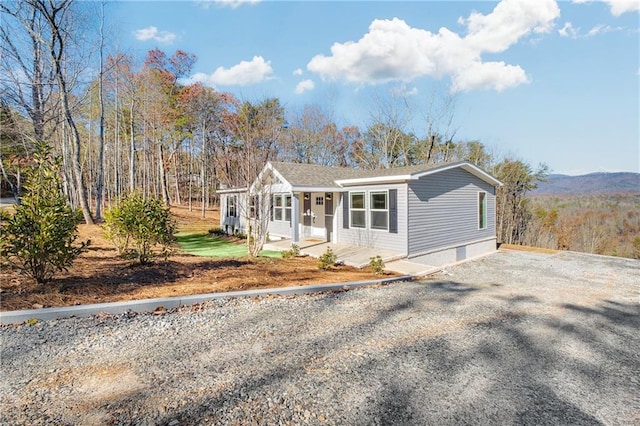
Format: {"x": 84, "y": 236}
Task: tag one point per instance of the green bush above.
{"x": 328, "y": 259}
{"x": 294, "y": 251}
{"x": 376, "y": 264}
{"x": 38, "y": 239}
{"x": 218, "y": 231}
{"x": 141, "y": 222}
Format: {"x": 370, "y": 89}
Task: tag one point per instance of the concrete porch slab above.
{"x": 346, "y": 253}
{"x": 414, "y": 269}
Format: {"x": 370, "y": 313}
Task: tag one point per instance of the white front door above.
{"x": 313, "y": 217}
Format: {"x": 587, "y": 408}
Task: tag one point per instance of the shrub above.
{"x": 218, "y": 231}
{"x": 376, "y": 264}
{"x": 328, "y": 259}
{"x": 294, "y": 251}
{"x": 38, "y": 239}
{"x": 144, "y": 223}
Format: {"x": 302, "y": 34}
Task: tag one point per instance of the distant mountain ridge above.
{"x": 590, "y": 184}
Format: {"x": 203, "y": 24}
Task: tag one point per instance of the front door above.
{"x": 306, "y": 210}
{"x": 328, "y": 215}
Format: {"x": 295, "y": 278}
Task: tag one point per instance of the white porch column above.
{"x": 295, "y": 218}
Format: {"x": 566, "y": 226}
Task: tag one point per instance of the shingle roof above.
{"x": 298, "y": 174}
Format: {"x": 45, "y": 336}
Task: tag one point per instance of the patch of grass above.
{"x": 209, "y": 245}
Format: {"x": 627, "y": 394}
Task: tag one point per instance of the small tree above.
{"x": 327, "y": 259}
{"x": 38, "y": 239}
{"x": 142, "y": 222}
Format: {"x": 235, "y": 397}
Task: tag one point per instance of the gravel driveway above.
{"x": 513, "y": 338}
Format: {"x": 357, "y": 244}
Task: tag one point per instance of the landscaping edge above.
{"x": 150, "y": 305}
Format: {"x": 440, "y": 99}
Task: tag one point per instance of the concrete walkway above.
{"x": 358, "y": 257}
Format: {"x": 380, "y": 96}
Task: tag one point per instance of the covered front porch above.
{"x": 300, "y": 215}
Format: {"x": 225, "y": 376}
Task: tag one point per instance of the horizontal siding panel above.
{"x": 375, "y": 238}
{"x": 443, "y": 210}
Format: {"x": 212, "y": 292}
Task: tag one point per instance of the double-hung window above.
{"x": 277, "y": 207}
{"x": 379, "y": 210}
{"x": 358, "y": 212}
{"x": 482, "y": 210}
{"x": 287, "y": 208}
{"x": 232, "y": 208}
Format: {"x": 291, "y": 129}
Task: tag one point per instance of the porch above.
{"x": 356, "y": 256}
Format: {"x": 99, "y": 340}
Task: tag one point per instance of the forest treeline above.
{"x": 122, "y": 125}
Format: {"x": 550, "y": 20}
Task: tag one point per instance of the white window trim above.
{"x": 367, "y": 209}
{"x": 364, "y": 209}
{"x": 484, "y": 210}
{"x": 283, "y": 207}
{"x": 234, "y": 204}
{"x": 371, "y": 209}
{"x": 289, "y": 209}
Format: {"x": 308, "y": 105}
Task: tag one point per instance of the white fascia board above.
{"x": 230, "y": 190}
{"x": 315, "y": 189}
{"x": 374, "y": 180}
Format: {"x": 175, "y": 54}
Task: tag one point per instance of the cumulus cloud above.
{"x": 394, "y": 51}
{"x": 618, "y": 7}
{"x": 304, "y": 86}
{"x": 243, "y": 74}
{"x": 152, "y": 33}
{"x": 297, "y": 71}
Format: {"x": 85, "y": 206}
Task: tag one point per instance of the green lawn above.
{"x": 213, "y": 246}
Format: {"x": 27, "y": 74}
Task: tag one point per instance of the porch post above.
{"x": 295, "y": 218}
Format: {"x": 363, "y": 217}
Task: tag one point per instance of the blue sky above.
{"x": 538, "y": 80}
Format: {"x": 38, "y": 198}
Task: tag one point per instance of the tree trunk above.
{"x": 132, "y": 149}
{"x": 164, "y": 189}
{"x": 100, "y": 179}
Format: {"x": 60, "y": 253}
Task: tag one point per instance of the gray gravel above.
{"x": 513, "y": 338}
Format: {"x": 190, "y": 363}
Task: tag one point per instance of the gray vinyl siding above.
{"x": 371, "y": 237}
{"x": 230, "y": 224}
{"x": 443, "y": 210}
{"x": 278, "y": 228}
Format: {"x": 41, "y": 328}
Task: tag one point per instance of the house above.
{"x": 430, "y": 214}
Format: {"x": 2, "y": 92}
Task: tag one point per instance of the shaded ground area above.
{"x": 513, "y": 338}
{"x": 100, "y": 275}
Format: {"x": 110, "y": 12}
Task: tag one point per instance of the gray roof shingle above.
{"x": 298, "y": 174}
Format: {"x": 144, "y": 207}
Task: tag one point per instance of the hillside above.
{"x": 590, "y": 184}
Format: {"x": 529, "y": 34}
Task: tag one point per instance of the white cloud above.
{"x": 297, "y": 71}
{"x": 152, "y": 33}
{"x": 568, "y": 30}
{"x": 233, "y": 4}
{"x": 244, "y": 74}
{"x": 394, "y": 51}
{"x": 403, "y": 90}
{"x": 618, "y": 7}
{"x": 602, "y": 29}
{"x": 304, "y": 86}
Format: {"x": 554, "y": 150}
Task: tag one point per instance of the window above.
{"x": 319, "y": 201}
{"x": 482, "y": 210}
{"x": 379, "y": 209}
{"x": 287, "y": 208}
{"x": 232, "y": 205}
{"x": 277, "y": 207}
{"x": 357, "y": 210}
{"x": 253, "y": 206}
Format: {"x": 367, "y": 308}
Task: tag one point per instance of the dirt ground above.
{"x": 100, "y": 275}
